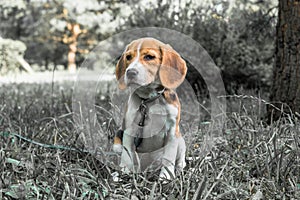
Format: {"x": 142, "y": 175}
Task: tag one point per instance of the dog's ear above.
{"x": 120, "y": 72}
{"x": 173, "y": 68}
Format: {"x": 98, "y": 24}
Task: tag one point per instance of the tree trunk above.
{"x": 285, "y": 93}
{"x": 75, "y": 31}
{"x": 25, "y": 65}
{"x": 72, "y": 57}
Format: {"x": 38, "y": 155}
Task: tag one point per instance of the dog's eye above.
{"x": 128, "y": 57}
{"x": 149, "y": 57}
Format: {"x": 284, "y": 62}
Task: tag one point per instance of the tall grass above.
{"x": 253, "y": 160}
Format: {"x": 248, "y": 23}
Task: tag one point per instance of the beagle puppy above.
{"x": 150, "y": 138}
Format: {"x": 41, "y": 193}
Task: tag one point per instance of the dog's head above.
{"x": 146, "y": 61}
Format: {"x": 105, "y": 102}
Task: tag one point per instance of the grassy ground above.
{"x": 252, "y": 160}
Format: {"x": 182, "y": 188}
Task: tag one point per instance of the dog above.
{"x": 150, "y": 137}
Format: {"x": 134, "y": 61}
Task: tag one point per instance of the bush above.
{"x": 10, "y": 51}
{"x": 242, "y": 46}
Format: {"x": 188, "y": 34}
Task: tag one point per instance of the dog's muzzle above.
{"x": 131, "y": 73}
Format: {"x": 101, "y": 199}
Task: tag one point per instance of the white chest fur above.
{"x": 159, "y": 122}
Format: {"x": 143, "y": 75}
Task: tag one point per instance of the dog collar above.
{"x": 153, "y": 98}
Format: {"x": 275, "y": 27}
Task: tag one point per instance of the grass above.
{"x": 253, "y": 160}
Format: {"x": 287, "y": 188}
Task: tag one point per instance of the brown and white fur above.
{"x": 148, "y": 67}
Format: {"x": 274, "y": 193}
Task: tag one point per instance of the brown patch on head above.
{"x": 148, "y": 50}
{"x": 151, "y": 57}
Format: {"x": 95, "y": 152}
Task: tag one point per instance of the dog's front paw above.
{"x": 117, "y": 148}
{"x": 167, "y": 173}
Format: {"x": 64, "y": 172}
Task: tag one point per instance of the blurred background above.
{"x": 45, "y": 35}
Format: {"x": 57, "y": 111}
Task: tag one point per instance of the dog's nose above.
{"x": 131, "y": 73}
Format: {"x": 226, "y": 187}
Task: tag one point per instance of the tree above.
{"x": 82, "y": 27}
{"x": 60, "y": 31}
{"x": 286, "y": 77}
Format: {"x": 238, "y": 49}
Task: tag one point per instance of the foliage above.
{"x": 11, "y": 16}
{"x": 252, "y": 161}
{"x": 239, "y": 37}
{"x": 241, "y": 44}
{"x": 10, "y": 51}
{"x": 43, "y": 26}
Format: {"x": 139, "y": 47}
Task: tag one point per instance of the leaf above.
{"x": 12, "y": 194}
{"x": 59, "y": 25}
{"x": 13, "y": 161}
